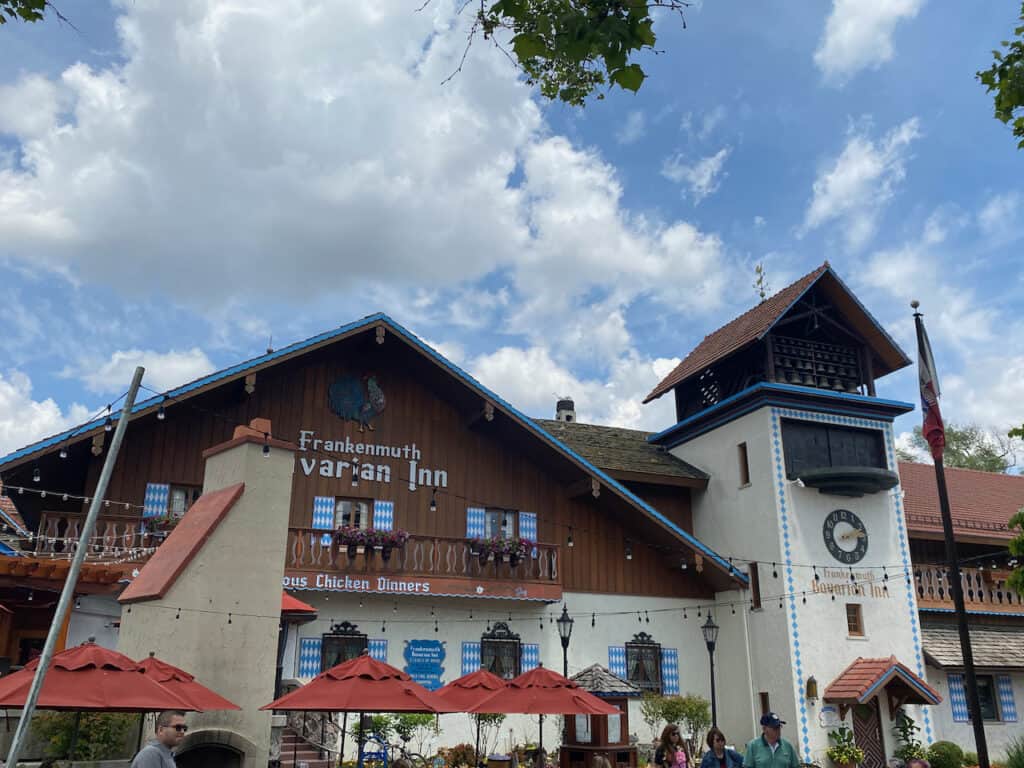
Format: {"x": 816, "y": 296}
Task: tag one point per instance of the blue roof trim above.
{"x": 445, "y": 363}
{"x": 769, "y": 387}
{"x": 910, "y": 679}
{"x": 200, "y": 382}
{"x": 13, "y": 523}
{"x": 545, "y": 435}
{"x": 5, "y": 549}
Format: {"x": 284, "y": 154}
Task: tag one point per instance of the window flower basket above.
{"x": 356, "y": 540}
{"x": 508, "y": 550}
{"x": 166, "y": 523}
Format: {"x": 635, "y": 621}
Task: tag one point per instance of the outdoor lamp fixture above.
{"x": 710, "y": 630}
{"x": 565, "y": 622}
{"x": 811, "y": 692}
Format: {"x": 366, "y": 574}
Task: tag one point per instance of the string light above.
{"x": 160, "y": 413}
{"x": 569, "y": 542}
{"x": 108, "y": 423}
{"x": 36, "y": 475}
{"x": 629, "y": 550}
{"x": 593, "y": 620}
{"x": 433, "y": 500}
{"x": 63, "y": 452}
{"x": 266, "y": 444}
{"x": 775, "y": 571}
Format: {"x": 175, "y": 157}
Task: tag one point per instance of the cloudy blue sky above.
{"x": 180, "y": 181}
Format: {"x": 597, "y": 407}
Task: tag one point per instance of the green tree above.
{"x": 1016, "y": 547}
{"x": 101, "y": 736}
{"x": 692, "y": 713}
{"x": 27, "y": 10}
{"x": 970, "y": 447}
{"x": 1006, "y": 79}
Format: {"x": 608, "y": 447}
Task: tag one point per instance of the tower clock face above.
{"x": 845, "y": 536}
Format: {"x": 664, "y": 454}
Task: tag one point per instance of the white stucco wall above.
{"x": 94, "y": 616}
{"x": 776, "y": 520}
{"x": 998, "y": 735}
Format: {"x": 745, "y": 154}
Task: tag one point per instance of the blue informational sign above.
{"x": 424, "y": 660}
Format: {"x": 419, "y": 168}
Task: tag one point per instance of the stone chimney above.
{"x": 565, "y": 410}
{"x": 209, "y": 599}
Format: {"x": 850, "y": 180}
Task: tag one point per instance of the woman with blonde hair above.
{"x": 671, "y": 751}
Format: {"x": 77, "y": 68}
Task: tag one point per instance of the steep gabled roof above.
{"x": 382, "y": 323}
{"x": 753, "y": 324}
{"x": 864, "y": 677}
{"x": 981, "y": 503}
{"x": 615, "y": 449}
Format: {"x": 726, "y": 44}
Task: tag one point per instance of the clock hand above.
{"x": 852, "y": 535}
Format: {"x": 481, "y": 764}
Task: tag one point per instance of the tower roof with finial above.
{"x": 753, "y": 324}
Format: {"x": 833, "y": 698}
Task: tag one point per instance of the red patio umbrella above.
{"x": 89, "y": 677}
{"x": 184, "y": 685}
{"x": 469, "y": 690}
{"x": 543, "y": 692}
{"x": 362, "y": 684}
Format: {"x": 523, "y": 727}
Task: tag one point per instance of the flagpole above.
{"x": 956, "y": 583}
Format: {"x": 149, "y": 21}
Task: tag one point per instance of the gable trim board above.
{"x": 381, "y": 320}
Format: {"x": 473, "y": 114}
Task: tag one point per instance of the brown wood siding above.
{"x": 483, "y": 469}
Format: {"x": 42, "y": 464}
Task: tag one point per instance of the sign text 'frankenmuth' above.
{"x": 364, "y": 464}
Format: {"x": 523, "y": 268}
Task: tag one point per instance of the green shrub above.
{"x": 906, "y": 731}
{"x": 970, "y": 759}
{"x": 945, "y": 754}
{"x": 459, "y": 755}
{"x": 1015, "y": 753}
{"x": 101, "y": 736}
{"x": 843, "y": 750}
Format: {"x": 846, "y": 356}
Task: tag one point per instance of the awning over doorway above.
{"x": 866, "y": 678}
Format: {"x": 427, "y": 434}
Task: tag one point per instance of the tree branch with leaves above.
{"x": 1005, "y": 79}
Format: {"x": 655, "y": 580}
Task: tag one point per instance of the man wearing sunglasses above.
{"x": 159, "y": 753}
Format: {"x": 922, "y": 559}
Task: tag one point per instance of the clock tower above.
{"x": 780, "y": 408}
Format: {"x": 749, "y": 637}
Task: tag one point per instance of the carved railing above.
{"x": 983, "y": 590}
{"x": 316, "y": 550}
{"x": 321, "y": 730}
{"x": 60, "y": 532}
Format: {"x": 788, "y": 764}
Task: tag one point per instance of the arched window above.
{"x": 342, "y": 643}
{"x": 501, "y": 652}
{"x": 643, "y": 663}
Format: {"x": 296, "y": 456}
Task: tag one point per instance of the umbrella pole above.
{"x": 74, "y": 736}
{"x": 142, "y": 726}
{"x": 344, "y": 728}
{"x": 359, "y": 743}
{"x": 477, "y": 751}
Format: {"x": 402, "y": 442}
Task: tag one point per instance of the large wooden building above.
{"x": 433, "y": 524}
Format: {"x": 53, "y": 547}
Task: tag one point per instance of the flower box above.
{"x": 498, "y": 546}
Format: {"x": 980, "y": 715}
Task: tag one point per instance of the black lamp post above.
{"x": 710, "y": 630}
{"x": 565, "y": 622}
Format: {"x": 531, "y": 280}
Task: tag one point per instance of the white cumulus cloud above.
{"x": 164, "y": 370}
{"x": 702, "y": 177}
{"x": 855, "y": 187}
{"x": 633, "y": 129}
{"x": 24, "y": 420}
{"x": 858, "y": 35}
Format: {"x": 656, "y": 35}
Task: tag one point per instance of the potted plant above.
{"x": 844, "y": 752}
{"x": 165, "y": 523}
{"x": 352, "y": 539}
{"x": 392, "y": 540}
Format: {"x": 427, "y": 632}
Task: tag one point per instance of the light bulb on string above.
{"x": 42, "y": 494}
{"x": 629, "y": 550}
{"x": 266, "y": 444}
{"x": 433, "y": 500}
{"x": 647, "y": 617}
{"x": 775, "y": 571}
{"x": 21, "y": 491}
{"x": 593, "y": 620}
{"x": 569, "y": 542}
{"x": 64, "y": 497}
{"x": 108, "y": 423}
{"x": 435, "y": 626}
{"x": 36, "y": 475}
{"x": 684, "y": 614}
{"x": 395, "y": 608}
{"x": 817, "y": 576}
{"x": 229, "y": 618}
{"x": 382, "y": 627}
{"x": 161, "y": 414}
{"x": 63, "y": 453}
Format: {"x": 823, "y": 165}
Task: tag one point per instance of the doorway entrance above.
{"x": 867, "y": 733}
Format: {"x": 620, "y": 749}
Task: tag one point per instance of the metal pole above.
{"x": 714, "y": 704}
{"x": 973, "y": 701}
{"x": 68, "y": 592}
{"x": 971, "y": 679}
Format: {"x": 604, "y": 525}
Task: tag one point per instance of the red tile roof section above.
{"x": 981, "y": 503}
{"x": 185, "y": 541}
{"x": 854, "y": 682}
{"x": 11, "y": 511}
{"x": 746, "y": 328}
{"x": 291, "y": 604}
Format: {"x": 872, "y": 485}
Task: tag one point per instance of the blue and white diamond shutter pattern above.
{"x": 155, "y": 502}
{"x": 531, "y": 656}
{"x": 617, "y": 660}
{"x": 1007, "y": 706}
{"x": 470, "y": 656}
{"x": 378, "y": 649}
{"x": 528, "y": 525}
{"x": 475, "y": 522}
{"x": 383, "y": 515}
{"x": 323, "y": 516}
{"x": 670, "y": 671}
{"x": 957, "y": 697}
{"x": 309, "y": 656}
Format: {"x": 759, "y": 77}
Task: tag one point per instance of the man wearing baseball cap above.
{"x": 770, "y": 750}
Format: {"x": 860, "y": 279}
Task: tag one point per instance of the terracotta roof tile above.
{"x": 855, "y": 683}
{"x": 981, "y": 503}
{"x": 615, "y": 448}
{"x": 185, "y": 541}
{"x": 736, "y": 334}
{"x": 9, "y": 511}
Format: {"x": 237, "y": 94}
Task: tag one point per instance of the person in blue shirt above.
{"x": 718, "y": 755}
{"x": 770, "y": 750}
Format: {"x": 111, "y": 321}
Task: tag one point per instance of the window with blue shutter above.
{"x": 323, "y": 516}
{"x": 531, "y": 656}
{"x": 383, "y": 515}
{"x": 1007, "y": 706}
{"x": 957, "y": 697}
{"x": 475, "y": 522}
{"x": 155, "y": 501}
{"x": 670, "y": 671}
{"x": 309, "y": 656}
{"x": 378, "y": 649}
{"x": 528, "y": 525}
{"x": 617, "y": 660}
{"x": 470, "y": 656}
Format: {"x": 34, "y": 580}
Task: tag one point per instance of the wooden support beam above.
{"x": 381, "y": 330}
{"x": 486, "y": 413}
{"x": 588, "y": 485}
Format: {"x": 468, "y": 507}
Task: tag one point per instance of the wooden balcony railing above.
{"x": 983, "y": 590}
{"x": 437, "y": 556}
{"x": 60, "y": 532}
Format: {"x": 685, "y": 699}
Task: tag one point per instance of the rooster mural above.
{"x": 356, "y": 399}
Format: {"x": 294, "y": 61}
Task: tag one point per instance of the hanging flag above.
{"x": 932, "y": 428}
